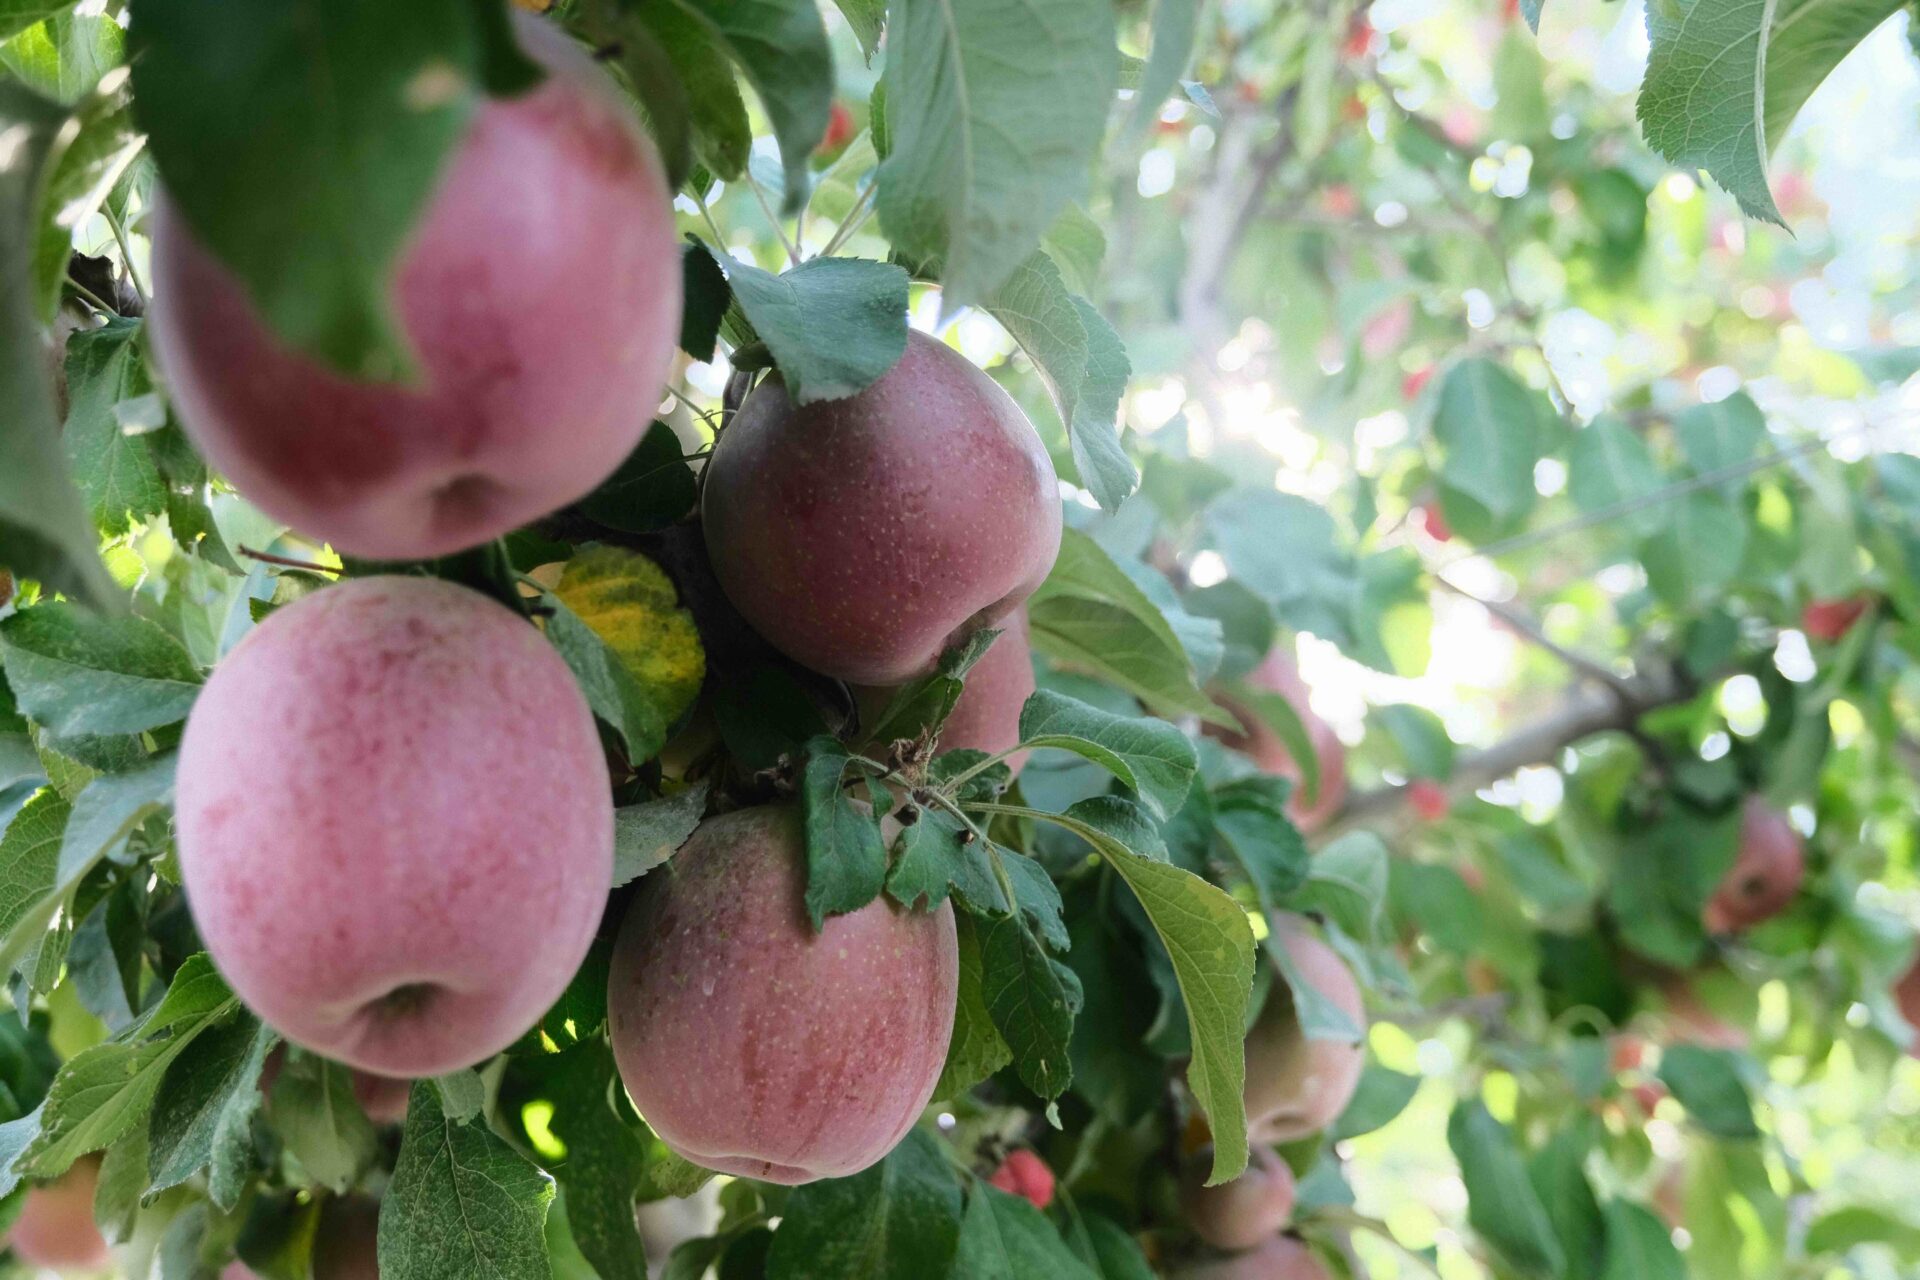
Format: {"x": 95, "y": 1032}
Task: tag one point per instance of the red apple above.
{"x": 840, "y": 129}
{"x": 1280, "y": 674}
{"x": 1830, "y": 620}
{"x": 55, "y": 1228}
{"x": 1023, "y": 1173}
{"x": 1765, "y": 875}
{"x": 539, "y": 294}
{"x": 1428, "y": 799}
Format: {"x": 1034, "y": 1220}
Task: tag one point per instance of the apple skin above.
{"x": 1906, "y": 994}
{"x": 1280, "y": 1258}
{"x": 355, "y": 835}
{"x": 757, "y": 1047}
{"x": 1297, "y": 1086}
{"x": 540, "y": 295}
{"x": 986, "y": 717}
{"x": 1242, "y": 1213}
{"x": 347, "y": 1245}
{"x": 1025, "y": 1174}
{"x": 55, "y": 1228}
{"x": 1280, "y": 674}
{"x": 862, "y": 537}
{"x": 1765, "y": 875}
{"x": 1830, "y": 620}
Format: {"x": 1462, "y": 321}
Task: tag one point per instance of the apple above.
{"x": 1428, "y": 800}
{"x": 540, "y": 297}
{"x": 1023, "y": 1173}
{"x": 1298, "y": 1086}
{"x": 1242, "y": 1213}
{"x": 1765, "y": 875}
{"x": 864, "y": 536}
{"x": 395, "y": 828}
{"x": 55, "y": 1228}
{"x": 1906, "y": 993}
{"x": 1830, "y": 620}
{"x": 757, "y": 1047}
{"x": 840, "y": 129}
{"x": 1432, "y": 517}
{"x": 1281, "y": 1258}
{"x": 1280, "y": 674}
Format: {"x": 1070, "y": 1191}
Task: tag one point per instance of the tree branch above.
{"x": 1585, "y": 713}
{"x": 1518, "y": 620}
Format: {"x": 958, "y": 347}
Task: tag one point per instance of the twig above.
{"x": 1581, "y": 665}
{"x": 779, "y": 229}
{"x": 98, "y": 303}
{"x": 287, "y": 562}
{"x": 126, "y": 256}
{"x": 1584, "y": 714}
{"x": 1655, "y": 498}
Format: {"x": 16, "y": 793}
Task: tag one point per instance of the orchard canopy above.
{"x": 995, "y": 639}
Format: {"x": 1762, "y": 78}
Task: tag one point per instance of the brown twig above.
{"x": 287, "y": 562}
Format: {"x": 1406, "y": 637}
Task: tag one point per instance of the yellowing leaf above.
{"x": 640, "y": 662}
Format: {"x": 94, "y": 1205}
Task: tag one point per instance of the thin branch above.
{"x": 287, "y": 562}
{"x": 90, "y": 296}
{"x": 1655, "y": 498}
{"x": 779, "y": 228}
{"x": 1586, "y": 668}
{"x": 1584, "y": 714}
{"x": 126, "y": 256}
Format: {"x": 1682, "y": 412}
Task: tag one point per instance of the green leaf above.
{"x": 1559, "y": 1177}
{"x": 1722, "y": 434}
{"x": 323, "y": 1127}
{"x": 1207, "y": 937}
{"x": 1105, "y": 1246}
{"x": 302, "y": 140}
{"x": 66, "y": 55}
{"x": 1708, "y": 1083}
{"x": 1701, "y": 550}
{"x": 834, "y": 325}
{"x": 646, "y": 835}
{"x": 782, "y": 47}
{"x": 103, "y": 815}
{"x": 102, "y": 1093}
{"x": 1085, "y": 367}
{"x": 462, "y": 1095}
{"x": 1501, "y": 1202}
{"x": 1808, "y": 40}
{"x": 652, "y": 489}
{"x": 1702, "y": 104}
{"x": 1347, "y": 884}
{"x": 115, "y": 469}
{"x": 606, "y": 1160}
{"x": 15, "y": 1137}
{"x": 976, "y": 1049}
{"x": 1250, "y": 820}
{"x": 203, "y": 1113}
{"x": 846, "y": 858}
{"x": 1089, "y": 614}
{"x": 83, "y": 163}
{"x": 1488, "y": 426}
{"x": 650, "y": 68}
{"x": 1381, "y": 1096}
{"x": 923, "y": 705}
{"x": 1639, "y": 1246}
{"x": 866, "y": 19}
{"x": 75, "y": 673}
{"x": 1176, "y": 23}
{"x": 461, "y": 1203}
{"x": 933, "y": 857}
{"x": 1003, "y": 1237}
{"x": 29, "y": 867}
{"x": 44, "y": 530}
{"x": 994, "y": 114}
{"x": 1032, "y": 999}
{"x": 1610, "y": 466}
{"x": 1152, "y": 757}
{"x": 1286, "y": 550}
{"x": 899, "y": 1218}
{"x": 17, "y": 15}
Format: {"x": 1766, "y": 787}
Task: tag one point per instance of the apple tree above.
{"x": 680, "y": 638}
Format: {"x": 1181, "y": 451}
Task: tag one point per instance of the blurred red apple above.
{"x": 1023, "y": 1173}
